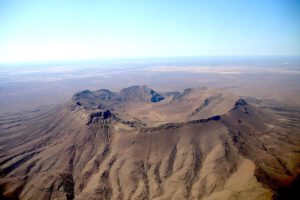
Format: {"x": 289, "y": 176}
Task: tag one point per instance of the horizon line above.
{"x": 131, "y": 58}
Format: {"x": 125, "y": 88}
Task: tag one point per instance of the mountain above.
{"x": 141, "y": 144}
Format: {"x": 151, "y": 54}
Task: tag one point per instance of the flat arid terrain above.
{"x": 151, "y": 130}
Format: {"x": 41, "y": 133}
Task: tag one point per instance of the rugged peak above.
{"x": 180, "y": 95}
{"x": 240, "y": 102}
{"x": 135, "y": 92}
{"x": 241, "y": 105}
{"x": 106, "y": 99}
{"x": 84, "y": 93}
{"x": 143, "y": 93}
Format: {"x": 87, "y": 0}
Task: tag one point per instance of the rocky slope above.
{"x": 141, "y": 144}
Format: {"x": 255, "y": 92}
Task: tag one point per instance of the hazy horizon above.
{"x": 167, "y": 59}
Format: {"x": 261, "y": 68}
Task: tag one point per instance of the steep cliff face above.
{"x": 107, "y": 145}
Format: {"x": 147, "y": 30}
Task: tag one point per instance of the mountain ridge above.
{"x": 112, "y": 146}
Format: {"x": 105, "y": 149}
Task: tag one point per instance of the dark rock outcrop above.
{"x": 101, "y": 116}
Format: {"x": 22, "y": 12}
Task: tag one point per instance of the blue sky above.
{"x": 76, "y": 29}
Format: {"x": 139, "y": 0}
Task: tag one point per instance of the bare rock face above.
{"x": 105, "y": 98}
{"x": 141, "y": 144}
{"x": 140, "y": 93}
